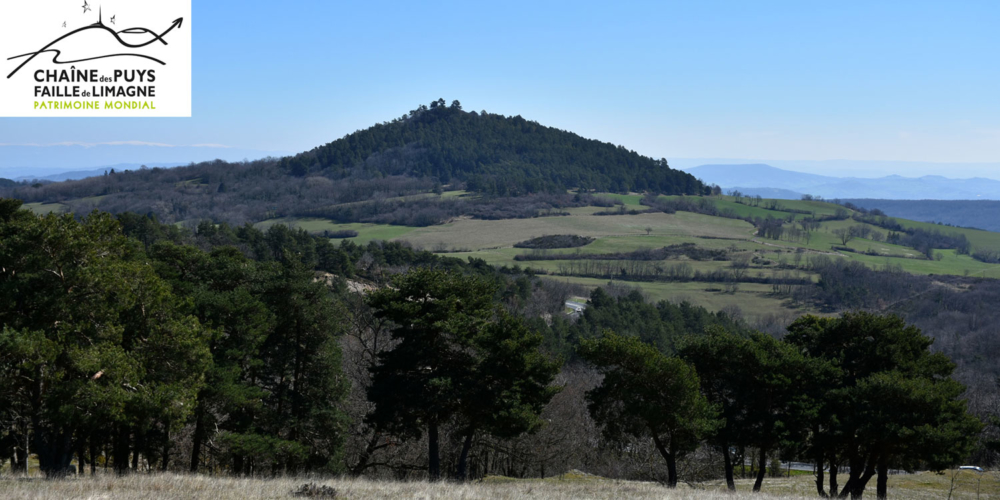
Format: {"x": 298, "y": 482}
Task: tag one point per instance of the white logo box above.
{"x": 111, "y": 58}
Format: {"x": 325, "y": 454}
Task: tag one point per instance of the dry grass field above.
{"x": 481, "y": 234}
{"x": 569, "y": 486}
{"x": 213, "y": 488}
{"x": 751, "y": 298}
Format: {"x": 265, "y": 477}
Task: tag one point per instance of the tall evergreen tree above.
{"x": 225, "y": 290}
{"x": 417, "y": 385}
{"x": 92, "y": 342}
{"x": 763, "y": 388}
{"x": 275, "y": 382}
{"x": 893, "y": 401}
{"x": 509, "y": 386}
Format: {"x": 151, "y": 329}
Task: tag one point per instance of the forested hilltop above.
{"x": 493, "y": 154}
{"x": 377, "y": 169}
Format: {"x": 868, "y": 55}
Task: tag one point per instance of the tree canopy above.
{"x": 893, "y": 401}
{"x": 455, "y": 356}
{"x": 647, "y": 394}
{"x": 493, "y": 154}
{"x": 93, "y": 341}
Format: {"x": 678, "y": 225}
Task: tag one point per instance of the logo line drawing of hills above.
{"x": 99, "y": 25}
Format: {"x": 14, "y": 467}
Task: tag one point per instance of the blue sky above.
{"x": 900, "y": 81}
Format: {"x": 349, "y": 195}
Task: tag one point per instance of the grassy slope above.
{"x": 366, "y": 232}
{"x": 978, "y": 237}
{"x": 45, "y": 208}
{"x": 493, "y": 242}
{"x": 630, "y": 200}
{"x": 489, "y": 234}
{"x": 751, "y": 298}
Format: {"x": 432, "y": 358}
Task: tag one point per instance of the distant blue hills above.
{"x": 771, "y": 182}
{"x": 60, "y": 162}
{"x": 83, "y": 174}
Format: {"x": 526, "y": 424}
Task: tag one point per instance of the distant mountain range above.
{"x": 48, "y": 161}
{"x": 83, "y": 174}
{"x": 868, "y": 169}
{"x": 771, "y": 182}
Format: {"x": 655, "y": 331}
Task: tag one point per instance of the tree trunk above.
{"x": 833, "y": 479}
{"x": 20, "y": 460}
{"x": 366, "y": 454}
{"x": 853, "y": 477}
{"x": 671, "y": 470}
{"x": 761, "y": 470}
{"x": 55, "y": 452}
{"x": 859, "y": 479}
{"x": 165, "y": 462}
{"x": 81, "y": 460}
{"x": 671, "y": 460}
{"x": 433, "y": 455}
{"x": 138, "y": 444}
{"x": 860, "y": 487}
{"x": 463, "y": 458}
{"x": 820, "y": 479}
{"x": 727, "y": 462}
{"x": 197, "y": 438}
{"x": 882, "y": 483}
{"x": 121, "y": 449}
{"x": 93, "y": 456}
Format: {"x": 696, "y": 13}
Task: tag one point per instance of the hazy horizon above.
{"x": 18, "y": 161}
{"x": 862, "y": 169}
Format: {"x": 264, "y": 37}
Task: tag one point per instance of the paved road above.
{"x": 808, "y": 467}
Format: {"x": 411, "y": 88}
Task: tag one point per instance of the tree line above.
{"x": 973, "y": 214}
{"x": 922, "y": 240}
{"x": 862, "y": 392}
{"x": 109, "y": 350}
{"x": 112, "y": 346}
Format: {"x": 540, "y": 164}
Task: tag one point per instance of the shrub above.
{"x": 556, "y": 241}
{"x": 343, "y": 233}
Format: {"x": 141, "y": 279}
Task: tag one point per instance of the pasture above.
{"x": 493, "y": 241}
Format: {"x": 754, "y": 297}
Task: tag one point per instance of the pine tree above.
{"x": 417, "y": 385}
{"x": 646, "y": 394}
{"x": 509, "y": 386}
{"x": 92, "y": 342}
{"x": 890, "y": 403}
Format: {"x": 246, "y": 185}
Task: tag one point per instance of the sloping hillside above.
{"x": 376, "y": 175}
{"x": 968, "y": 213}
{"x": 493, "y": 154}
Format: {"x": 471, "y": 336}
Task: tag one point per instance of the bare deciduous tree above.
{"x": 845, "y": 235}
{"x": 739, "y": 265}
